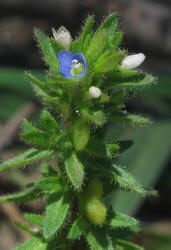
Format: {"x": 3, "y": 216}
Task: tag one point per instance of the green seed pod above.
{"x": 95, "y": 211}
{"x": 94, "y": 190}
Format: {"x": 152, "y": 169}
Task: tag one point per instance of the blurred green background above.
{"x": 147, "y": 29}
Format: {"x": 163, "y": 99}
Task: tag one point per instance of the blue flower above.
{"x": 72, "y": 65}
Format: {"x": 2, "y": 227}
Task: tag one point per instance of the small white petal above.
{"x": 132, "y": 61}
{"x": 62, "y": 36}
{"x": 94, "y": 92}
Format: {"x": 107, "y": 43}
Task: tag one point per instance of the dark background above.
{"x": 147, "y": 28}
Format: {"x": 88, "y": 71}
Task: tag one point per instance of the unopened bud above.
{"x": 132, "y": 61}
{"x": 62, "y": 36}
{"x": 94, "y": 92}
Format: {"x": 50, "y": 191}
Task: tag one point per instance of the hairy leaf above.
{"x": 75, "y": 170}
{"x": 46, "y": 170}
{"x": 87, "y": 32}
{"x": 109, "y": 63}
{"x": 25, "y": 158}
{"x": 49, "y": 123}
{"x": 36, "y": 81}
{"x": 96, "y": 148}
{"x": 36, "y": 219}
{"x": 129, "y": 118}
{"x": 25, "y": 227}
{"x": 55, "y": 215}
{"x": 80, "y": 134}
{"x": 47, "y": 49}
{"x": 50, "y": 184}
{"x": 131, "y": 80}
{"x": 78, "y": 228}
{"x": 99, "y": 240}
{"x": 35, "y": 136}
{"x": 116, "y": 40}
{"x": 118, "y": 220}
{"x": 125, "y": 180}
{"x": 34, "y": 243}
{"x": 122, "y": 245}
{"x": 97, "y": 45}
{"x": 30, "y": 194}
{"x": 95, "y": 117}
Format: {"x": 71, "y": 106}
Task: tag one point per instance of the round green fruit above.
{"x": 95, "y": 211}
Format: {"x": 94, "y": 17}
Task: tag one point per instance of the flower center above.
{"x": 76, "y": 67}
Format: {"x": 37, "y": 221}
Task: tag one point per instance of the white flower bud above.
{"x": 94, "y": 92}
{"x": 132, "y": 61}
{"x": 62, "y": 36}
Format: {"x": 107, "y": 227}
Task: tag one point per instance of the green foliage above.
{"x": 75, "y": 170}
{"x": 99, "y": 240}
{"x": 34, "y": 243}
{"x": 75, "y": 129}
{"x": 47, "y": 49}
{"x": 55, "y": 215}
{"x": 129, "y": 118}
{"x": 122, "y": 245}
{"x": 49, "y": 123}
{"x": 78, "y": 228}
{"x": 80, "y": 134}
{"x": 126, "y": 180}
{"x": 26, "y": 158}
{"x": 34, "y": 219}
{"x": 30, "y": 194}
{"x": 118, "y": 220}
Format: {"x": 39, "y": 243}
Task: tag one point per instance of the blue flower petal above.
{"x": 80, "y": 58}
{"x": 65, "y": 57}
{"x": 66, "y": 71}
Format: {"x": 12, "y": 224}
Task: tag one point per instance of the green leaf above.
{"x": 75, "y": 170}
{"x": 78, "y": 228}
{"x": 30, "y": 194}
{"x": 129, "y": 118}
{"x": 25, "y": 227}
{"x": 35, "y": 219}
{"x": 55, "y": 215}
{"x": 96, "y": 148}
{"x": 97, "y": 45}
{"x": 116, "y": 40}
{"x": 56, "y": 46}
{"x": 118, "y": 220}
{"x": 133, "y": 82}
{"x": 145, "y": 153}
{"x": 36, "y": 81}
{"x": 34, "y": 243}
{"x": 98, "y": 240}
{"x": 122, "y": 245}
{"x": 49, "y": 123}
{"x": 109, "y": 63}
{"x": 25, "y": 158}
{"x": 35, "y": 136}
{"x": 26, "y": 126}
{"x": 63, "y": 141}
{"x": 80, "y": 134}
{"x": 46, "y": 170}
{"x": 125, "y": 180}
{"x": 50, "y": 185}
{"x": 87, "y": 33}
{"x": 87, "y": 29}
{"x": 47, "y": 49}
{"x": 109, "y": 25}
{"x": 95, "y": 117}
